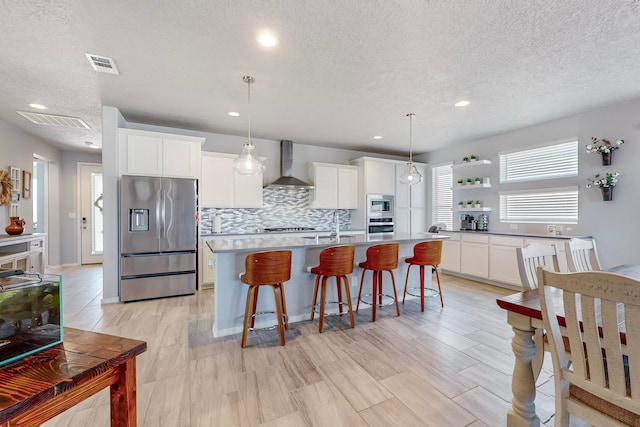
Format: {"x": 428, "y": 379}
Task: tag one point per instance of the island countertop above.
{"x": 265, "y": 243}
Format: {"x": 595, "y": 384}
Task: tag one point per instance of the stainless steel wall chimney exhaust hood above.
{"x": 286, "y": 169}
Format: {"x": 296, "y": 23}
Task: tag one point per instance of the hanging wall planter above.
{"x": 604, "y": 147}
{"x": 607, "y": 193}
{"x": 607, "y": 158}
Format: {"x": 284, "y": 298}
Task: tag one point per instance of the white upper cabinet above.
{"x": 379, "y": 177}
{"x": 335, "y": 186}
{"x": 222, "y": 187}
{"x": 159, "y": 154}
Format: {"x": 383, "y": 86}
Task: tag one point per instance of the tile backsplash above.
{"x": 281, "y": 208}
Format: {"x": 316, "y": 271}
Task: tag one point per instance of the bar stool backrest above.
{"x": 383, "y": 257}
{"x": 267, "y": 268}
{"x": 428, "y": 253}
{"x": 337, "y": 260}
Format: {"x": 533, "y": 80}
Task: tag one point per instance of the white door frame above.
{"x": 90, "y": 259}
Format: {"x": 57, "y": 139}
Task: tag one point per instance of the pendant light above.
{"x": 410, "y": 175}
{"x": 247, "y": 163}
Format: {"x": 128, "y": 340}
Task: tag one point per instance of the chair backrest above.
{"x": 428, "y": 253}
{"x": 532, "y": 256}
{"x": 582, "y": 255}
{"x": 601, "y": 310}
{"x": 337, "y": 260}
{"x": 267, "y": 268}
{"x": 383, "y": 257}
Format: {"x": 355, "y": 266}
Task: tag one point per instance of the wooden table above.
{"x": 525, "y": 316}
{"x": 43, "y": 385}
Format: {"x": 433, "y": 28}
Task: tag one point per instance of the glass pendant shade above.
{"x": 248, "y": 163}
{"x": 410, "y": 175}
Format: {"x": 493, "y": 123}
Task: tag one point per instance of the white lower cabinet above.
{"x": 451, "y": 254}
{"x": 474, "y": 255}
{"x": 503, "y": 259}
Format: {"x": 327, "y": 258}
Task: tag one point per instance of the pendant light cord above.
{"x": 411, "y": 136}
{"x": 249, "y": 79}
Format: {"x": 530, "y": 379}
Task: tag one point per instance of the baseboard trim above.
{"x": 113, "y": 300}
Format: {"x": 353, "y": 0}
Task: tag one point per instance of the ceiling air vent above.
{"x": 52, "y": 120}
{"x": 102, "y": 64}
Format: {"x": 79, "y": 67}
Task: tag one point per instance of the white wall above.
{"x": 613, "y": 224}
{"x": 17, "y": 149}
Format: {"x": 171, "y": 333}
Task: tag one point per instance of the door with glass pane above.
{"x": 91, "y": 204}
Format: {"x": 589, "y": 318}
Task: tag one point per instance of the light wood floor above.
{"x": 443, "y": 367}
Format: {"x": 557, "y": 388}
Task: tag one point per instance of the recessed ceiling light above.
{"x": 91, "y": 144}
{"x": 377, "y": 137}
{"x": 38, "y": 106}
{"x": 233, "y": 114}
{"x": 461, "y": 103}
{"x": 267, "y": 40}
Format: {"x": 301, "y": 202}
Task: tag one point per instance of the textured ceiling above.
{"x": 343, "y": 71}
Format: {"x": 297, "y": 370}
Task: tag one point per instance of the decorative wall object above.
{"x": 606, "y": 183}
{"x": 5, "y": 187}
{"x": 26, "y": 185}
{"x": 605, "y": 148}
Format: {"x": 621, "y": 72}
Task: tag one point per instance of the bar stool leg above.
{"x": 323, "y": 302}
{"x": 256, "y": 291}
{"x": 360, "y": 290}
{"x": 249, "y": 310}
{"x": 284, "y": 306}
{"x": 374, "y": 296}
{"x": 439, "y": 288}
{"x": 422, "y": 288}
{"x": 348, "y": 294}
{"x": 315, "y": 298}
{"x": 277, "y": 293}
{"x": 406, "y": 282}
{"x": 395, "y": 293}
{"x": 339, "y": 294}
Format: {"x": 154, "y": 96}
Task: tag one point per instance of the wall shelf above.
{"x": 481, "y": 209}
{"x": 457, "y": 186}
{"x": 475, "y": 163}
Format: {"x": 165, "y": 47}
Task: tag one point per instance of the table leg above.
{"x": 123, "y": 396}
{"x": 523, "y": 408}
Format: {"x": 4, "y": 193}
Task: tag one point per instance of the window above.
{"x": 546, "y": 205}
{"x": 551, "y": 161}
{"x": 442, "y": 195}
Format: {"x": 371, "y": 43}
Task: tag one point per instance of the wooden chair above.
{"x": 271, "y": 268}
{"x": 532, "y": 256}
{"x": 380, "y": 258}
{"x": 425, "y": 254}
{"x": 582, "y": 255}
{"x": 335, "y": 261}
{"x": 602, "y": 384}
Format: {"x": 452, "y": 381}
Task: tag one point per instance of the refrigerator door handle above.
{"x": 159, "y": 215}
{"x": 163, "y": 214}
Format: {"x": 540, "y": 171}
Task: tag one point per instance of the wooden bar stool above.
{"x": 425, "y": 254}
{"x": 271, "y": 268}
{"x": 335, "y": 261}
{"x": 380, "y": 258}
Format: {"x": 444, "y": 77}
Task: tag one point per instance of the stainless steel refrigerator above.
{"x": 158, "y": 237}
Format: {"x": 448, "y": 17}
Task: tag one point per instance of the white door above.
{"x": 91, "y": 223}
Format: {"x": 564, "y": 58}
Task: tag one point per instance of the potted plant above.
{"x": 473, "y": 157}
{"x": 604, "y": 147}
{"x": 477, "y": 204}
{"x": 465, "y": 159}
{"x": 469, "y": 203}
{"x": 469, "y": 182}
{"x": 606, "y": 183}
{"x": 478, "y": 180}
{"x": 460, "y": 181}
{"x": 460, "y": 204}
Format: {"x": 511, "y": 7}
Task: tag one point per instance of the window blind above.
{"x": 442, "y": 195}
{"x": 547, "y": 205}
{"x": 551, "y": 161}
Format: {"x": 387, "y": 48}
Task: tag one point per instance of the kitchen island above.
{"x": 230, "y": 293}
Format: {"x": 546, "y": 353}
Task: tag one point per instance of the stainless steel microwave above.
{"x": 379, "y": 206}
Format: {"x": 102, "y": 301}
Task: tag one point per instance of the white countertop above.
{"x": 505, "y": 233}
{"x": 279, "y": 242}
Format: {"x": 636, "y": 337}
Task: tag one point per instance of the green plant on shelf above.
{"x": 461, "y": 204}
{"x": 478, "y": 204}
{"x": 473, "y": 157}
{"x": 465, "y": 159}
{"x": 470, "y": 203}
{"x": 469, "y": 182}
{"x": 478, "y": 180}
{"x": 460, "y": 181}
